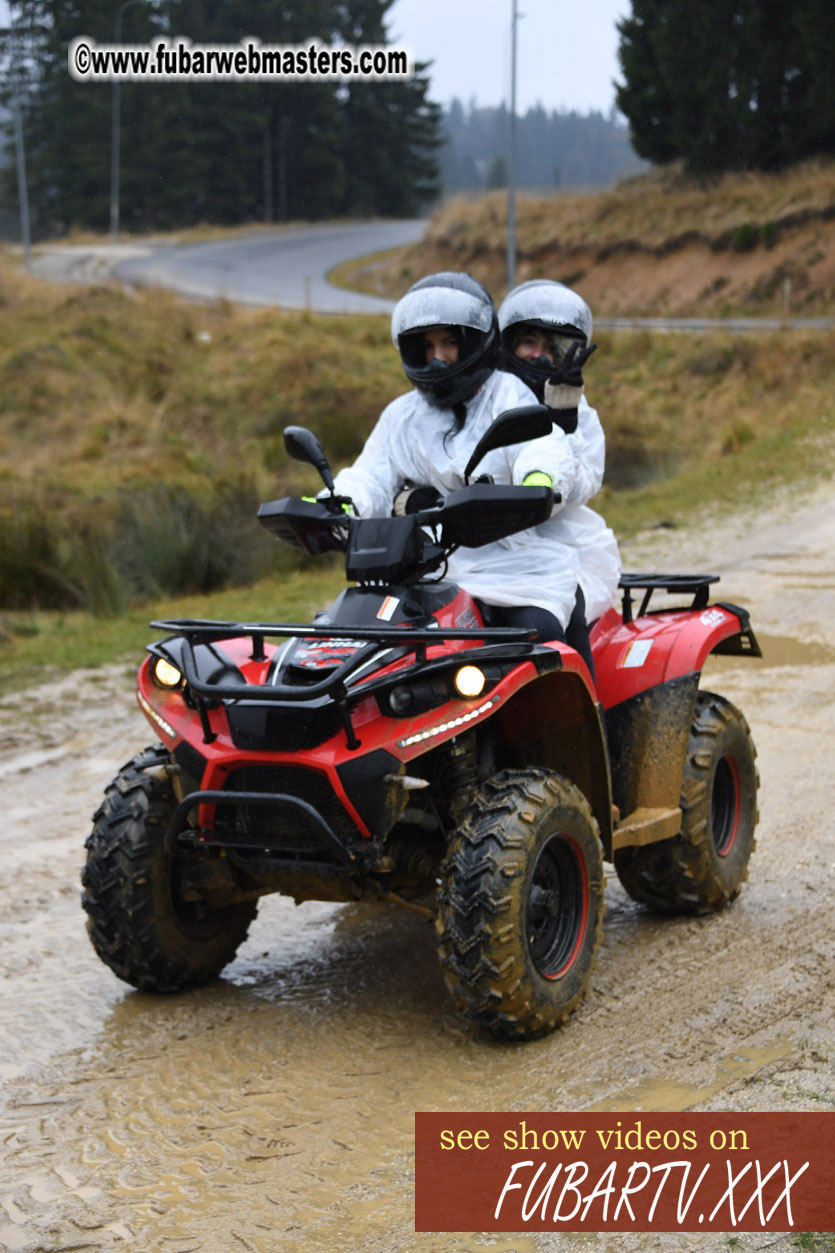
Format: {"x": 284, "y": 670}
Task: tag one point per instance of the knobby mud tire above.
{"x": 704, "y": 867}
{"x": 137, "y": 923}
{"x": 525, "y": 829}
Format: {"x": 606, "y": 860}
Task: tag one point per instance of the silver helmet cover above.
{"x": 426, "y": 307}
{"x": 546, "y": 303}
{"x": 456, "y": 300}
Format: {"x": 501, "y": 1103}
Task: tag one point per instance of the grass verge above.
{"x": 371, "y": 274}
{"x": 137, "y": 433}
{"x": 36, "y": 645}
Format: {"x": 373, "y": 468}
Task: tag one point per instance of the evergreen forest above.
{"x": 729, "y": 84}
{"x": 220, "y": 152}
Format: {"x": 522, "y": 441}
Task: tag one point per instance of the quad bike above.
{"x": 398, "y": 748}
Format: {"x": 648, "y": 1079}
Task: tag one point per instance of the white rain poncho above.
{"x": 534, "y": 567}
{"x": 581, "y": 527}
{"x": 544, "y": 303}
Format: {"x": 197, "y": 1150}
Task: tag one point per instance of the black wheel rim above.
{"x": 724, "y": 805}
{"x": 557, "y": 906}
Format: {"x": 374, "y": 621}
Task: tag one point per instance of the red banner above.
{"x": 625, "y": 1172}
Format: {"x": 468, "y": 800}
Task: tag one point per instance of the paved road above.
{"x": 287, "y": 268}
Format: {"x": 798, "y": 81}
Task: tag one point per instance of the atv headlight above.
{"x": 164, "y": 674}
{"x": 469, "y": 682}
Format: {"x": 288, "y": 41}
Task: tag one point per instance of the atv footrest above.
{"x": 646, "y": 826}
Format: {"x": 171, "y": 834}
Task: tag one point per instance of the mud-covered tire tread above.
{"x": 121, "y": 895}
{"x": 685, "y": 874}
{"x": 483, "y": 955}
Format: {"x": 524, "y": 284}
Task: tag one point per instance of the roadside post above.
{"x": 511, "y": 156}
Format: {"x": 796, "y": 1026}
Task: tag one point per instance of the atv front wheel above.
{"x": 703, "y": 868}
{"x": 143, "y": 922}
{"x": 521, "y": 904}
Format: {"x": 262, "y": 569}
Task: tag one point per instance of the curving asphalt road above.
{"x": 287, "y": 268}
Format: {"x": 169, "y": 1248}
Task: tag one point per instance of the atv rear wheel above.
{"x": 703, "y": 868}
{"x": 521, "y": 904}
{"x": 142, "y": 922}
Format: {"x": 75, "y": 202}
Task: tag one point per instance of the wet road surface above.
{"x": 274, "y": 1110}
{"x": 286, "y": 268}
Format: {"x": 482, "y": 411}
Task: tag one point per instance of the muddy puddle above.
{"x": 274, "y": 1110}
{"x": 277, "y": 1106}
{"x": 777, "y": 650}
{"x": 671, "y": 1097}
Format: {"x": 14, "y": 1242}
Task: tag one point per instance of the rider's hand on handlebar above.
{"x": 334, "y": 504}
{"x": 414, "y": 499}
{"x": 537, "y": 478}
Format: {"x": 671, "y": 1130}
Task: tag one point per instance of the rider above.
{"x": 446, "y": 330}
{"x": 546, "y": 332}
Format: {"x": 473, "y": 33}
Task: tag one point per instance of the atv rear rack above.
{"x": 697, "y": 584}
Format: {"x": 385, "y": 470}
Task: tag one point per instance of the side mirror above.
{"x": 514, "y": 426}
{"x": 302, "y": 445}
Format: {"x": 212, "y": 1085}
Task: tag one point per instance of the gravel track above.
{"x": 274, "y": 1110}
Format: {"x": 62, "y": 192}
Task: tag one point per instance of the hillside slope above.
{"x": 657, "y": 244}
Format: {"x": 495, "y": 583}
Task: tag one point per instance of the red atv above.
{"x": 397, "y": 748}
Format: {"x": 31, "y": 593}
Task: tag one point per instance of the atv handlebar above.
{"x": 403, "y": 549}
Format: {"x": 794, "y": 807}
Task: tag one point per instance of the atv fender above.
{"x": 554, "y": 721}
{"x": 631, "y": 657}
{"x": 648, "y": 674}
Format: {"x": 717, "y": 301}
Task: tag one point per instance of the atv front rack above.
{"x": 175, "y": 832}
{"x": 502, "y": 643}
{"x": 697, "y": 584}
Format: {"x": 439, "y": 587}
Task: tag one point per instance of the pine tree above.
{"x": 390, "y": 130}
{"x": 728, "y": 83}
{"x": 219, "y": 151}
{"x": 552, "y": 149}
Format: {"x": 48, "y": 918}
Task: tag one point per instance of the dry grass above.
{"x": 106, "y": 396}
{"x": 658, "y": 243}
{"x": 34, "y": 644}
{"x": 651, "y": 208}
{"x": 101, "y": 389}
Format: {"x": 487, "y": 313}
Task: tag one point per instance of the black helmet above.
{"x": 547, "y": 306}
{"x": 454, "y": 300}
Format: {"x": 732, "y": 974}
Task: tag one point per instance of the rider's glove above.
{"x": 565, "y": 386}
{"x": 537, "y": 478}
{"x": 414, "y": 499}
{"x": 334, "y": 503}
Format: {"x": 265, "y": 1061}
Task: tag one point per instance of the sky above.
{"x": 567, "y": 52}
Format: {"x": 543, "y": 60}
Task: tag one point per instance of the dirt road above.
{"x": 274, "y": 1110}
